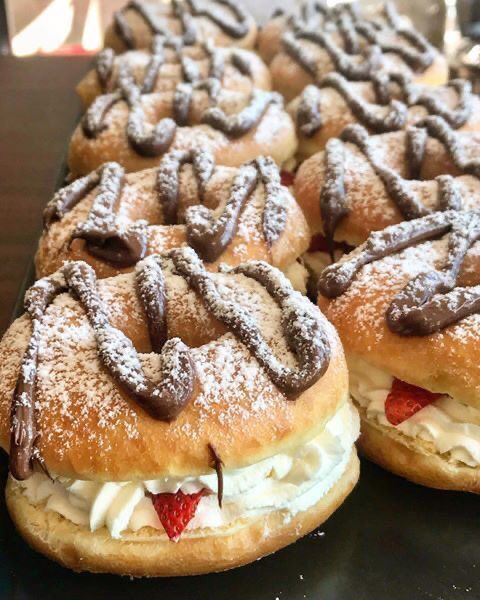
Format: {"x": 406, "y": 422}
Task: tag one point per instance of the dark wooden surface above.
{"x": 38, "y": 110}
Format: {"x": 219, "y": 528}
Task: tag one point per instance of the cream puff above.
{"x": 387, "y": 102}
{"x": 136, "y": 129}
{"x": 186, "y": 22}
{"x": 173, "y": 421}
{"x": 406, "y": 305}
{"x": 356, "y": 47}
{"x": 317, "y": 15}
{"x": 165, "y": 66}
{"x": 362, "y": 183}
{"x": 111, "y": 220}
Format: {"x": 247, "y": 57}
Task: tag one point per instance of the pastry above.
{"x": 165, "y": 66}
{"x": 136, "y": 129}
{"x": 316, "y": 15}
{"x": 385, "y": 103}
{"x": 173, "y": 405}
{"x": 112, "y": 220}
{"x": 356, "y": 48}
{"x": 406, "y": 305}
{"x": 187, "y": 22}
{"x": 364, "y": 183}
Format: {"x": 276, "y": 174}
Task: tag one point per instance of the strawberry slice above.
{"x": 287, "y": 178}
{"x": 404, "y": 400}
{"x": 175, "y": 511}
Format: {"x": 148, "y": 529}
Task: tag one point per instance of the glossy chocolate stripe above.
{"x": 183, "y": 11}
{"x": 104, "y": 238}
{"x": 68, "y": 197}
{"x": 23, "y": 423}
{"x": 309, "y": 112}
{"x": 165, "y": 398}
{"x": 431, "y": 300}
{"x": 300, "y": 323}
{"x": 208, "y": 234}
{"x": 342, "y": 61}
{"x": 235, "y": 29}
{"x": 238, "y": 124}
{"x": 333, "y": 201}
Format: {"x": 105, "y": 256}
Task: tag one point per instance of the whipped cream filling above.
{"x": 448, "y": 424}
{"x": 297, "y": 274}
{"x": 292, "y": 482}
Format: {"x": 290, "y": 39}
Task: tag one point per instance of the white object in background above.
{"x": 47, "y": 31}
{"x": 92, "y": 36}
{"x": 452, "y": 38}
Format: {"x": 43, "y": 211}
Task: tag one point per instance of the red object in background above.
{"x": 404, "y": 400}
{"x": 175, "y": 511}
{"x": 287, "y": 178}
{"x": 72, "y": 49}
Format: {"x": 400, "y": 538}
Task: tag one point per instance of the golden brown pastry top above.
{"x": 362, "y": 183}
{"x": 90, "y": 427}
{"x": 226, "y": 22}
{"x": 409, "y": 313}
{"x": 164, "y": 67}
{"x": 111, "y": 219}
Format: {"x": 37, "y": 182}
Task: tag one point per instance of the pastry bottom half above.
{"x": 147, "y": 552}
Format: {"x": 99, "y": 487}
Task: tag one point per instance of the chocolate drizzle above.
{"x": 125, "y": 31}
{"x": 24, "y": 431}
{"x": 309, "y": 112}
{"x": 184, "y": 96}
{"x": 300, "y": 322}
{"x": 207, "y": 231}
{"x": 333, "y": 203}
{"x": 333, "y": 200}
{"x": 430, "y": 301}
{"x": 168, "y": 179}
{"x": 105, "y": 62}
{"x": 167, "y": 397}
{"x": 353, "y": 31}
{"x": 342, "y": 61}
{"x": 210, "y": 235}
{"x": 416, "y": 52}
{"x": 104, "y": 238}
{"x": 241, "y": 123}
{"x": 69, "y": 196}
{"x": 417, "y": 95}
{"x": 184, "y": 11}
{"x": 104, "y": 66}
{"x": 236, "y": 29}
{"x": 218, "y": 466}
{"x": 151, "y": 141}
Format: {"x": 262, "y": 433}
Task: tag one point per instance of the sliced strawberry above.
{"x": 175, "y": 511}
{"x": 287, "y": 178}
{"x": 404, "y": 400}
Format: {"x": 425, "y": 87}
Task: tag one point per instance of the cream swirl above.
{"x": 292, "y": 482}
{"x": 451, "y": 426}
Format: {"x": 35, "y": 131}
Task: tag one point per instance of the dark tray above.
{"x": 391, "y": 539}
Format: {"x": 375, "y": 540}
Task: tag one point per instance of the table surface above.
{"x": 38, "y": 110}
{"x": 390, "y": 539}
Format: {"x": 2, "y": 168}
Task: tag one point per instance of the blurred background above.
{"x": 75, "y": 26}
